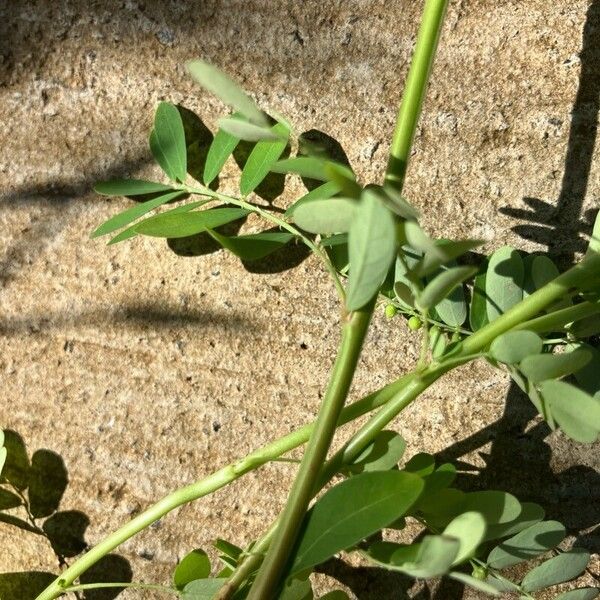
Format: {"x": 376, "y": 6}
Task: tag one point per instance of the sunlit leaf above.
{"x": 469, "y": 529}
{"x": 333, "y": 215}
{"x": 226, "y": 89}
{"x": 513, "y": 346}
{"x": 439, "y": 288}
{"x": 527, "y": 544}
{"x": 322, "y": 192}
{"x": 353, "y": 510}
{"x": 228, "y": 549}
{"x": 195, "y": 565}
{"x": 504, "y": 281}
{"x": 372, "y": 249}
{"x": 476, "y": 584}
{"x": 202, "y": 589}
{"x": 399, "y": 204}
{"x": 249, "y": 131}
{"x": 577, "y": 413}
{"x": 309, "y": 167}
{"x": 130, "y": 187}
{"x": 452, "y": 309}
{"x": 538, "y": 367}
{"x": 579, "y": 594}
{"x": 183, "y": 225}
{"x": 442, "y": 253}
{"x": 478, "y": 309}
{"x": 253, "y": 246}
{"x": 531, "y": 513}
{"x": 167, "y": 142}
{"x": 220, "y": 150}
{"x": 262, "y": 157}
{"x": 563, "y": 567}
{"x": 384, "y": 453}
{"x": 135, "y": 212}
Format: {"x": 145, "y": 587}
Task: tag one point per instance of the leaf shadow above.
{"x": 39, "y": 484}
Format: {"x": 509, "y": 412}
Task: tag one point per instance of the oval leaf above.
{"x": 372, "y": 249}
{"x": 202, "y": 589}
{"x": 383, "y": 454}
{"x": 513, "y": 346}
{"x": 469, "y": 530}
{"x": 437, "y": 289}
{"x": 262, "y": 157}
{"x": 167, "y": 142}
{"x": 531, "y": 513}
{"x": 503, "y": 281}
{"x": 333, "y": 215}
{"x": 577, "y": 413}
{"x": 579, "y": 594}
{"x": 226, "y": 89}
{"x": 539, "y": 367}
{"x": 220, "y": 150}
{"x": 248, "y": 131}
{"x": 194, "y": 565}
{"x": 130, "y": 187}
{"x": 527, "y": 544}
{"x": 353, "y": 510}
{"x": 478, "y": 310}
{"x": 322, "y": 192}
{"x": 453, "y": 308}
{"x": 496, "y": 507}
{"x": 135, "y": 212}
{"x": 563, "y": 567}
{"x": 186, "y": 224}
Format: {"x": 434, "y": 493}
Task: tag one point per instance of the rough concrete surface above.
{"x": 145, "y": 371}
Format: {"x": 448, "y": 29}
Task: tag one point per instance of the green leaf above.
{"x": 335, "y": 595}
{"x": 249, "y": 131}
{"x": 353, "y": 510}
{"x": 344, "y": 178}
{"x": 202, "y": 589}
{"x": 372, "y": 249}
{"x": 452, "y": 310}
{"x": 478, "y": 310}
{"x": 404, "y": 294}
{"x": 513, "y": 346}
{"x": 577, "y": 413}
{"x": 443, "y": 252}
{"x": 333, "y": 215}
{"x": 476, "y": 584}
{"x": 431, "y": 558}
{"x": 383, "y": 454}
{"x": 587, "y": 378}
{"x": 135, "y": 212}
{"x": 579, "y": 594}
{"x": 309, "y": 167}
{"x": 563, "y": 567}
{"x": 442, "y": 506}
{"x": 421, "y": 464}
{"x": 322, "y": 192}
{"x": 496, "y": 507}
{"x": 195, "y": 565}
{"x": 253, "y": 246}
{"x": 220, "y": 150}
{"x": 262, "y": 157}
{"x": 504, "y": 281}
{"x": 399, "y": 204}
{"x": 167, "y": 142}
{"x": 594, "y": 245}
{"x": 469, "y": 529}
{"x": 527, "y": 544}
{"x": 437, "y": 289}
{"x": 585, "y": 328}
{"x": 441, "y": 478}
{"x": 131, "y": 232}
{"x": 184, "y": 225}
{"x": 228, "y": 549}
{"x": 531, "y": 513}
{"x": 227, "y": 90}
{"x": 17, "y": 468}
{"x": 543, "y": 270}
{"x": 297, "y": 588}
{"x": 538, "y": 367}
{"x": 130, "y": 187}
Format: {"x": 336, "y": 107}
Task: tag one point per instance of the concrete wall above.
{"x": 144, "y": 370}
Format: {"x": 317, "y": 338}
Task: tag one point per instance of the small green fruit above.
{"x": 479, "y": 573}
{"x": 414, "y": 323}
{"x": 390, "y": 311}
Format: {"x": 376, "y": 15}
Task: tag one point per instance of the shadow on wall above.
{"x": 558, "y": 225}
{"x": 31, "y": 489}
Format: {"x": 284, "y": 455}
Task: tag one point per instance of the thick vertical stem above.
{"x": 272, "y": 570}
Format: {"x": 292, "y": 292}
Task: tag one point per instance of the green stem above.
{"x": 353, "y": 335}
{"x": 210, "y": 484}
{"x": 414, "y": 93}
{"x": 140, "y": 586}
